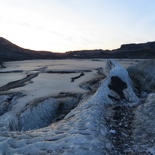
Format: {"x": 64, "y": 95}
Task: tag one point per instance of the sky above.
{"x": 67, "y": 25}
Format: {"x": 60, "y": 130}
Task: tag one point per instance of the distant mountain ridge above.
{"x": 11, "y": 52}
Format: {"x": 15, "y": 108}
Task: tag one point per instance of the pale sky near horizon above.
{"x": 64, "y": 25}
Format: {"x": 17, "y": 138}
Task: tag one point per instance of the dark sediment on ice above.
{"x": 18, "y": 83}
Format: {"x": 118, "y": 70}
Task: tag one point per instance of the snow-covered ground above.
{"x": 44, "y": 111}
{"x": 50, "y": 84}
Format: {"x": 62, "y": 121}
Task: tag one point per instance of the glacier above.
{"x": 82, "y": 124}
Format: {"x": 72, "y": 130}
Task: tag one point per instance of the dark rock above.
{"x": 77, "y": 77}
{"x": 2, "y": 65}
{"x": 11, "y": 52}
{"x": 118, "y": 86}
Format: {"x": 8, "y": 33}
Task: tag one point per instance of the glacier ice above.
{"x": 83, "y": 130}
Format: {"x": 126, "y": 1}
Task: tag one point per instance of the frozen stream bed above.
{"x": 77, "y": 107}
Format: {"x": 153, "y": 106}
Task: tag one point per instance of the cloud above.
{"x": 24, "y": 24}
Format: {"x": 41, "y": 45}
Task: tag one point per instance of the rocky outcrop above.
{"x": 142, "y": 50}
{"x": 138, "y": 47}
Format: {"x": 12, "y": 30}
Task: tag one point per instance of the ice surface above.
{"x": 144, "y": 124}
{"x": 82, "y": 131}
{"x": 143, "y": 74}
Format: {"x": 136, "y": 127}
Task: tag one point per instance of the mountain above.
{"x": 143, "y": 50}
{"x": 10, "y": 52}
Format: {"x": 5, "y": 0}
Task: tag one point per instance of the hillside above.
{"x": 10, "y": 52}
